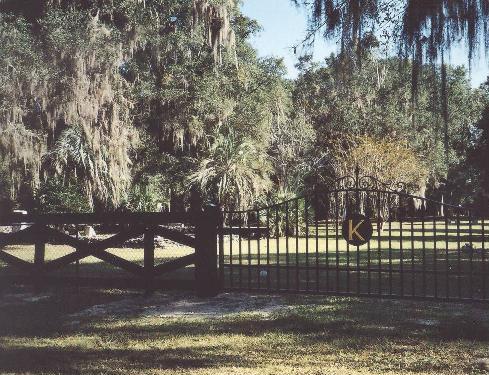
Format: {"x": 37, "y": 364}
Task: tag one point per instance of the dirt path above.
{"x": 185, "y": 304}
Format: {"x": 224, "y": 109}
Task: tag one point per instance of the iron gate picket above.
{"x": 298, "y": 246}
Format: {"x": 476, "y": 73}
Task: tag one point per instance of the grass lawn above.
{"x": 60, "y": 332}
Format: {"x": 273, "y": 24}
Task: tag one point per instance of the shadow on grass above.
{"x": 24, "y": 313}
{"x": 78, "y": 360}
{"x": 344, "y": 323}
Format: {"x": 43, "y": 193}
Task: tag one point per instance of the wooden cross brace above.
{"x": 41, "y": 234}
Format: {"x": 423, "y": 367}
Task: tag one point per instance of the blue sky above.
{"x": 284, "y": 26}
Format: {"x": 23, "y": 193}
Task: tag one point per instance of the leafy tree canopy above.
{"x": 156, "y": 104}
{"x": 375, "y": 102}
{"x": 418, "y": 27}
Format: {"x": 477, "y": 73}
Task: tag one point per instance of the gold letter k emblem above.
{"x": 353, "y": 231}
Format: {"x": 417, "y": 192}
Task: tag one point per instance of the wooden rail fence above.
{"x": 42, "y": 229}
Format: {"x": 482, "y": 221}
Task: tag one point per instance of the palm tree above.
{"x": 235, "y": 172}
{"x": 72, "y": 156}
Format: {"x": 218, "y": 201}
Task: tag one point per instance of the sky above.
{"x": 284, "y": 26}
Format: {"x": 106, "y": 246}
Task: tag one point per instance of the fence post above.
{"x": 149, "y": 258}
{"x": 39, "y": 256}
{"x": 206, "y": 271}
{"x": 221, "y": 249}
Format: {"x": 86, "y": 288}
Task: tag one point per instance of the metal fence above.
{"x": 299, "y": 246}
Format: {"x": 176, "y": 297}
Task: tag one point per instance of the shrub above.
{"x": 148, "y": 193}
{"x": 54, "y": 195}
{"x": 389, "y": 160}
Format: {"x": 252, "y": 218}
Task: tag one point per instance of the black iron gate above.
{"x": 419, "y": 248}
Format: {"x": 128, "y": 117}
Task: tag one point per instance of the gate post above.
{"x": 39, "y": 255}
{"x": 206, "y": 271}
{"x": 149, "y": 258}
